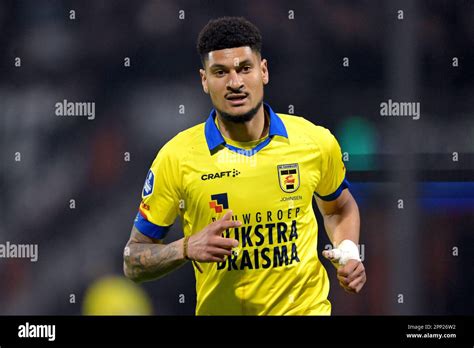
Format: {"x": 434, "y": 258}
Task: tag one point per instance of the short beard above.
{"x": 241, "y": 118}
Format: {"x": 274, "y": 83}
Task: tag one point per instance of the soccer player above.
{"x": 242, "y": 183}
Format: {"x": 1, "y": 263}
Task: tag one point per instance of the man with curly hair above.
{"x": 242, "y": 183}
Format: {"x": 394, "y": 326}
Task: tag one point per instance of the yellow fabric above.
{"x": 276, "y": 269}
{"x": 247, "y": 145}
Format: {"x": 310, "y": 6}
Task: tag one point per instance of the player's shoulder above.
{"x": 178, "y": 146}
{"x": 187, "y": 137}
{"x": 301, "y": 126}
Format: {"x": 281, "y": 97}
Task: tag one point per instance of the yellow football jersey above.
{"x": 269, "y": 186}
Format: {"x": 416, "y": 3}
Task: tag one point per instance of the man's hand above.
{"x": 351, "y": 276}
{"x": 208, "y": 245}
{"x": 350, "y": 270}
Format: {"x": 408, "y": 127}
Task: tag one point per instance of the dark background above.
{"x": 407, "y": 251}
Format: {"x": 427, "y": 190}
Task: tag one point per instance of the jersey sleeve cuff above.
{"x": 150, "y": 229}
{"x": 345, "y": 184}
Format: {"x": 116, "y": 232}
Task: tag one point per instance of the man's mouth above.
{"x": 236, "y": 99}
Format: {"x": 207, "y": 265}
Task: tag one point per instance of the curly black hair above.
{"x": 228, "y": 32}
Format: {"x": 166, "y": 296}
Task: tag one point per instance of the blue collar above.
{"x": 214, "y": 137}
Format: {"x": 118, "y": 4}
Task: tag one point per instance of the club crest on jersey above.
{"x": 149, "y": 184}
{"x": 289, "y": 177}
{"x": 219, "y": 202}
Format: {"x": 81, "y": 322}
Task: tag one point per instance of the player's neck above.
{"x": 252, "y": 130}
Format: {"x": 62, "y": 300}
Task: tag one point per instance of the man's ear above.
{"x": 265, "y": 74}
{"x": 202, "y": 72}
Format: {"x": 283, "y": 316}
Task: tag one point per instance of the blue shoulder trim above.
{"x": 345, "y": 184}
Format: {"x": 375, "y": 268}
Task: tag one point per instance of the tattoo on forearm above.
{"x": 151, "y": 261}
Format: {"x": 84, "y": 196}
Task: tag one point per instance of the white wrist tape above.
{"x": 345, "y": 251}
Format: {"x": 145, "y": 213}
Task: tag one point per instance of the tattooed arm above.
{"x": 147, "y": 259}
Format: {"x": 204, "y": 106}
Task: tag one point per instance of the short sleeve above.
{"x": 160, "y": 196}
{"x": 333, "y": 171}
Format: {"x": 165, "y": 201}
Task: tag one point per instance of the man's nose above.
{"x": 235, "y": 81}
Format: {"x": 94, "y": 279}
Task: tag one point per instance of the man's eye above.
{"x": 246, "y": 68}
{"x": 220, "y": 72}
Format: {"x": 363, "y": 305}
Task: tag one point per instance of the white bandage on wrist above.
{"x": 345, "y": 251}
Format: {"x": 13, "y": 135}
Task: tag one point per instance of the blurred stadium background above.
{"x": 407, "y": 251}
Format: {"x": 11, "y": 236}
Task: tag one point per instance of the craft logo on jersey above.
{"x": 289, "y": 177}
{"x": 219, "y": 202}
{"x": 229, "y": 173}
{"x": 149, "y": 183}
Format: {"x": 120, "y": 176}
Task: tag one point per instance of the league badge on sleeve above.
{"x": 289, "y": 177}
{"x": 149, "y": 184}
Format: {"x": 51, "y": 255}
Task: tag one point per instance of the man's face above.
{"x": 234, "y": 79}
